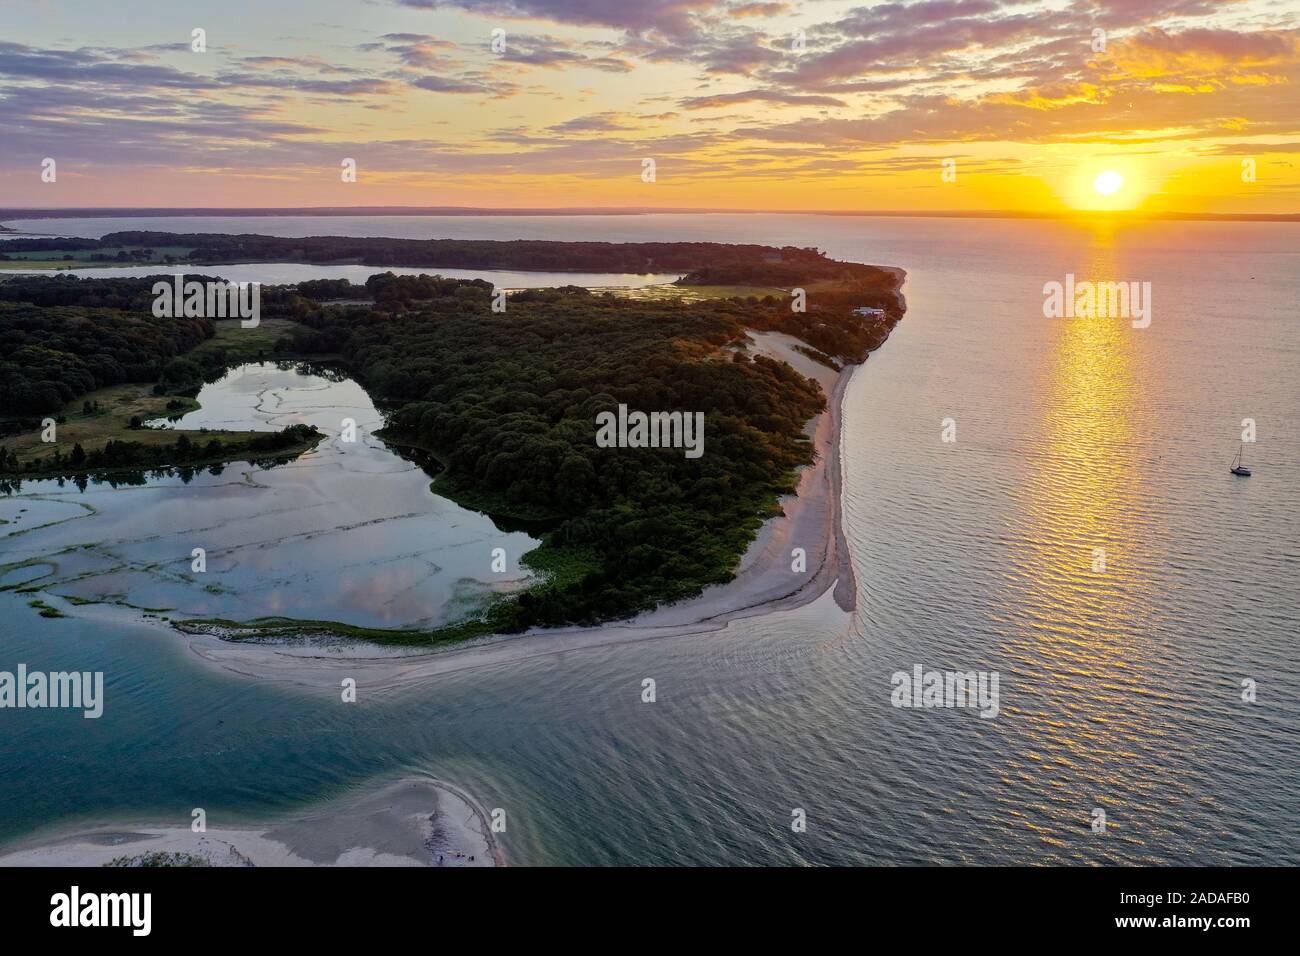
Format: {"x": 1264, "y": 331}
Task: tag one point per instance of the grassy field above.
{"x": 117, "y": 405}
{"x": 245, "y": 345}
{"x": 693, "y": 293}
{"x": 30, "y": 265}
{"x": 81, "y": 258}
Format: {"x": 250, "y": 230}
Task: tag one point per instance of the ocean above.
{"x": 1044, "y": 499}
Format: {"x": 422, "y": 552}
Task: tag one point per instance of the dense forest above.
{"x": 62, "y": 336}
{"x": 51, "y": 354}
{"x": 506, "y": 402}
{"x": 829, "y": 324}
{"x": 128, "y": 294}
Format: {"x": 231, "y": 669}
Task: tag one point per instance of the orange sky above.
{"x": 931, "y": 105}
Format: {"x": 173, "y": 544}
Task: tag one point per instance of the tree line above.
{"x": 529, "y": 254}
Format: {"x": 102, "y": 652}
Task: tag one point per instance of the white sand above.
{"x": 411, "y": 822}
{"x": 764, "y": 583}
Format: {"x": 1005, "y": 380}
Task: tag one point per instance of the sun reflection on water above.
{"x": 1082, "y": 579}
{"x": 1084, "y": 485}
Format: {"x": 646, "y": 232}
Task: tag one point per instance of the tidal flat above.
{"x": 348, "y": 532}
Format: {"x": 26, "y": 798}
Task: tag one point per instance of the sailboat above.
{"x": 1237, "y": 467}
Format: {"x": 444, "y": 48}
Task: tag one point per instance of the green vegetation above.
{"x": 68, "y": 258}
{"x": 697, "y": 293}
{"x": 112, "y": 409}
{"x": 507, "y": 402}
{"x": 270, "y": 629}
{"x": 749, "y": 265}
{"x": 818, "y": 356}
{"x": 271, "y": 340}
{"x": 52, "y": 353}
{"x": 90, "y": 354}
{"x": 45, "y": 609}
{"x": 467, "y": 495}
{"x": 504, "y": 402}
{"x": 12, "y": 566}
{"x": 564, "y": 568}
{"x": 182, "y": 452}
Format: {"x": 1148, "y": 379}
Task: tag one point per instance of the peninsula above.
{"x": 498, "y": 396}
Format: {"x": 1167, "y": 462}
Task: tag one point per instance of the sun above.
{"x": 1108, "y": 182}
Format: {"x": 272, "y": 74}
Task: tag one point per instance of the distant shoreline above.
{"x": 137, "y": 212}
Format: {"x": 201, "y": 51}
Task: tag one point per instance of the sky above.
{"x": 1040, "y": 107}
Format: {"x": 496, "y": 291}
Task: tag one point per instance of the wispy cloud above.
{"x": 717, "y": 91}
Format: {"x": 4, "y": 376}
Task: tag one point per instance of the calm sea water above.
{"x": 283, "y": 273}
{"x": 1121, "y": 689}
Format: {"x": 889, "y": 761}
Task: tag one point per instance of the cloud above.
{"x": 595, "y": 123}
{"x": 674, "y": 18}
{"x": 932, "y": 73}
{"x": 758, "y": 96}
{"x": 553, "y": 53}
{"x": 758, "y": 9}
{"x": 436, "y": 65}
{"x": 85, "y": 65}
{"x": 1155, "y": 52}
{"x": 417, "y": 50}
{"x": 441, "y": 84}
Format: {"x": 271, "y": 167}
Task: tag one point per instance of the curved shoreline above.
{"x": 764, "y": 583}
{"x": 769, "y": 579}
{"x": 416, "y": 820}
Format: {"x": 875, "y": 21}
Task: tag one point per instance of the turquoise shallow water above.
{"x": 1120, "y": 689}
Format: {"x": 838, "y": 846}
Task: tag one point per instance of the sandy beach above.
{"x": 764, "y": 582}
{"x": 419, "y": 821}
{"x": 415, "y": 821}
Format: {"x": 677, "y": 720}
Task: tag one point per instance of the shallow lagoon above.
{"x": 347, "y": 532}
{"x": 287, "y": 273}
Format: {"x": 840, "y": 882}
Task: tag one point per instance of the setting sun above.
{"x": 1108, "y": 183}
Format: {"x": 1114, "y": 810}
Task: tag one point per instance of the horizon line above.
{"x": 91, "y": 212}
